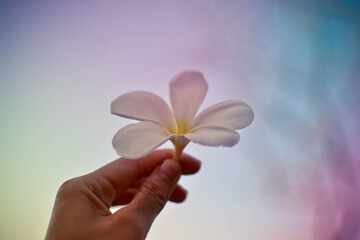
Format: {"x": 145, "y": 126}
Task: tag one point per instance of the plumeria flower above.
{"x": 212, "y": 127}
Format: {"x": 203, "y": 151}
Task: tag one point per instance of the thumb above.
{"x": 155, "y": 192}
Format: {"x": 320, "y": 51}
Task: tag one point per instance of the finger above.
{"x": 125, "y": 197}
{"x": 179, "y": 194}
{"x": 121, "y": 173}
{"x": 154, "y": 193}
{"x": 138, "y": 183}
{"x": 189, "y": 164}
{"x": 114, "y": 178}
{"x": 147, "y": 164}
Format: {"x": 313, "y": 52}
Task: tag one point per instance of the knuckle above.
{"x": 70, "y": 187}
{"x": 155, "y": 193}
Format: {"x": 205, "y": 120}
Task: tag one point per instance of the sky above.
{"x": 295, "y": 173}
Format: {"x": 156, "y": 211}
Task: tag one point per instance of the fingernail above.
{"x": 168, "y": 169}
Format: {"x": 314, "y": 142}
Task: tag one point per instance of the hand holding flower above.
{"x": 81, "y": 209}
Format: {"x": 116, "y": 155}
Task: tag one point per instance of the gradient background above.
{"x": 294, "y": 175}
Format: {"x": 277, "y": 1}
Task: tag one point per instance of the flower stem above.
{"x": 178, "y": 152}
{"x": 179, "y": 144}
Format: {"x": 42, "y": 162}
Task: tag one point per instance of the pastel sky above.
{"x": 295, "y": 173}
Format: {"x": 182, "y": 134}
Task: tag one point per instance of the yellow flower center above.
{"x": 179, "y": 142}
{"x": 182, "y": 127}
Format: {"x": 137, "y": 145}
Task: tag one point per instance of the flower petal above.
{"x": 213, "y": 136}
{"x": 233, "y": 114}
{"x": 141, "y": 105}
{"x": 187, "y": 92}
{"x": 139, "y": 139}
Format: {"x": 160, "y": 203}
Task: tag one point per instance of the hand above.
{"x": 81, "y": 209}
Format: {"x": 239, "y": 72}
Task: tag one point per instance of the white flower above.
{"x": 213, "y": 127}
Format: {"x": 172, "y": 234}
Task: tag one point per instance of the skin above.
{"x": 144, "y": 185}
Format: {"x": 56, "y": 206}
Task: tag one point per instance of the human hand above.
{"x": 81, "y": 209}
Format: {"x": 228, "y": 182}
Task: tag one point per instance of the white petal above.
{"x": 213, "y": 136}
{"x": 233, "y": 114}
{"x": 137, "y": 140}
{"x": 187, "y": 92}
{"x": 141, "y": 105}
